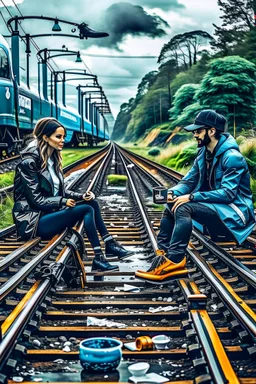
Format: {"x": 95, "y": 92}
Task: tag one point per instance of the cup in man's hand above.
{"x": 160, "y": 195}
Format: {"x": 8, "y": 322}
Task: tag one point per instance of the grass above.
{"x": 6, "y": 179}
{"x": 117, "y": 180}
{"x": 6, "y": 212}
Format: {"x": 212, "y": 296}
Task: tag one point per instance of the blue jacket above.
{"x": 230, "y": 195}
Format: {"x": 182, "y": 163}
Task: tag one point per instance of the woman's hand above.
{"x": 70, "y": 203}
{"x": 89, "y": 195}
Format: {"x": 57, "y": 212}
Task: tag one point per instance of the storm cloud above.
{"x": 165, "y": 5}
{"x": 124, "y": 19}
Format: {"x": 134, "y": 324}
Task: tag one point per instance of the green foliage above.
{"x": 229, "y": 87}
{"x": 69, "y": 156}
{"x": 6, "y": 212}
{"x": 187, "y": 116}
{"x": 154, "y": 152}
{"x": 182, "y": 98}
{"x": 184, "y": 158}
{"x": 6, "y": 179}
{"x": 117, "y": 180}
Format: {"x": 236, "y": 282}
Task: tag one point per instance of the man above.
{"x": 215, "y": 193}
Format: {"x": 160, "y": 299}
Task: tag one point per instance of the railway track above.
{"x": 208, "y": 313}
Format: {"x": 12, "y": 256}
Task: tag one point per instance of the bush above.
{"x": 117, "y": 180}
{"x": 154, "y": 152}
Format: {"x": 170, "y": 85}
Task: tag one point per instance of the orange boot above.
{"x": 164, "y": 270}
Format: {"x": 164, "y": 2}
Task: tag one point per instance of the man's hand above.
{"x": 179, "y": 201}
{"x": 89, "y": 195}
{"x": 70, "y": 203}
{"x": 170, "y": 198}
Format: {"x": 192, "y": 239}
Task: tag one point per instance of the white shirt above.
{"x": 55, "y": 179}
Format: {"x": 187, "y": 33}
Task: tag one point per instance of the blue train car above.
{"x": 21, "y": 107}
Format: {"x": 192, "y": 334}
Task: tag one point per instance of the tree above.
{"x": 185, "y": 48}
{"x": 182, "y": 98}
{"x": 229, "y": 87}
{"x": 168, "y": 70}
{"x": 237, "y": 23}
{"x": 187, "y": 116}
{"x": 146, "y": 82}
{"x": 123, "y": 119}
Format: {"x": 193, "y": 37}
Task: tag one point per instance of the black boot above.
{"x": 100, "y": 264}
{"x": 113, "y": 248}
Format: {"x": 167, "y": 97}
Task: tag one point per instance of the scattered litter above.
{"x": 162, "y": 309}
{"x": 149, "y": 378}
{"x": 131, "y": 288}
{"x": 130, "y": 165}
{"x": 104, "y": 323}
{"x": 131, "y": 346}
{"x": 214, "y": 307}
{"x": 17, "y": 379}
{"x": 37, "y": 379}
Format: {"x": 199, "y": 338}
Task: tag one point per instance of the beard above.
{"x": 203, "y": 142}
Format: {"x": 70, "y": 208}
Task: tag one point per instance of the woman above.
{"x": 42, "y": 205}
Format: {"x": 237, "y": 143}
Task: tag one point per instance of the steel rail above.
{"x": 14, "y": 325}
{"x": 17, "y": 325}
{"x": 244, "y": 272}
{"x": 146, "y": 221}
{"x": 237, "y": 306}
{"x": 9, "y": 160}
{"x": 241, "y": 311}
{"x": 23, "y": 272}
{"x": 214, "y": 351}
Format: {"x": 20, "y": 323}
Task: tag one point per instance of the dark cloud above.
{"x": 165, "y": 5}
{"x": 124, "y": 19}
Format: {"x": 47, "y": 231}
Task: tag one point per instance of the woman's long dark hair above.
{"x": 39, "y": 132}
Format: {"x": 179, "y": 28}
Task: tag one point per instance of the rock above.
{"x": 63, "y": 339}
{"x": 129, "y": 337}
{"x": 66, "y": 349}
{"x": 67, "y": 344}
{"x": 184, "y": 345}
{"x": 36, "y": 343}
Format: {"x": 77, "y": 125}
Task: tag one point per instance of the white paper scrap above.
{"x": 149, "y": 378}
{"x": 104, "y": 323}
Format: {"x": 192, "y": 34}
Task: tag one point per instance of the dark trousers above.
{"x": 175, "y": 229}
{"x": 54, "y": 223}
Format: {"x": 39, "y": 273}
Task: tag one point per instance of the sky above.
{"x": 135, "y": 27}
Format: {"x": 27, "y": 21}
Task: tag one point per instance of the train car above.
{"x": 21, "y": 107}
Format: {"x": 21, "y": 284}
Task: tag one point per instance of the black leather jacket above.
{"x": 33, "y": 194}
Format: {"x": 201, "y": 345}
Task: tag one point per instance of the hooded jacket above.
{"x": 34, "y": 193}
{"x": 230, "y": 194}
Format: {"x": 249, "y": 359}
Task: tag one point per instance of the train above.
{"x": 22, "y": 106}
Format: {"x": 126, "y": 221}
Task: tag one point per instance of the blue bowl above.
{"x": 100, "y": 354}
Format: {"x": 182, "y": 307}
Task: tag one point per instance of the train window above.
{"x": 4, "y": 64}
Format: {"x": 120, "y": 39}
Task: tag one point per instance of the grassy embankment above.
{"x": 68, "y": 155}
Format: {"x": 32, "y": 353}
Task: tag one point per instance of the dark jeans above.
{"x": 53, "y": 223}
{"x": 175, "y": 229}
